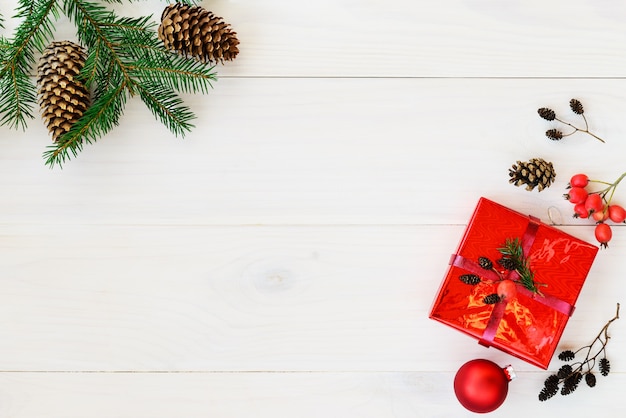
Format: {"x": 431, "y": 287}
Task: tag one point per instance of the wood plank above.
{"x": 344, "y": 151}
{"x": 151, "y": 298}
{"x": 307, "y": 395}
{"x": 447, "y": 38}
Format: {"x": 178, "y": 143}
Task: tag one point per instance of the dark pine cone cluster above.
{"x": 550, "y": 115}
{"x": 567, "y": 379}
{"x": 473, "y": 279}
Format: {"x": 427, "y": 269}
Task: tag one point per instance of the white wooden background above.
{"x": 282, "y": 259}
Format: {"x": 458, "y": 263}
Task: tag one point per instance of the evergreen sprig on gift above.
{"x": 513, "y": 258}
{"x": 124, "y": 59}
{"x": 568, "y": 377}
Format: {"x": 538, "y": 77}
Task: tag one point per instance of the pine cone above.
{"x": 567, "y": 355}
{"x": 534, "y": 173}
{"x": 605, "y": 366}
{"x": 547, "y": 114}
{"x": 485, "y": 263}
{"x": 62, "y": 97}
{"x": 571, "y": 383}
{"x": 576, "y": 106}
{"x": 194, "y": 31}
{"x": 565, "y": 371}
{"x": 590, "y": 379}
{"x": 550, "y": 388}
{"x": 554, "y": 134}
{"x": 491, "y": 299}
{"x": 507, "y": 263}
{"x": 470, "y": 279}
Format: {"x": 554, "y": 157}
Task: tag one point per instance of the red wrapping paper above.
{"x": 528, "y": 326}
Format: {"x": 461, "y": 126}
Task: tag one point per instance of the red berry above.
{"x": 579, "y": 180}
{"x": 506, "y": 289}
{"x": 600, "y": 216}
{"x": 617, "y": 213}
{"x": 603, "y": 234}
{"x": 580, "y": 211}
{"x": 594, "y": 203}
{"x": 576, "y": 195}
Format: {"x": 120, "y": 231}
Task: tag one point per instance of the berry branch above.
{"x": 570, "y": 375}
{"x": 611, "y": 188}
{"x": 555, "y": 134}
{"x": 597, "y": 205}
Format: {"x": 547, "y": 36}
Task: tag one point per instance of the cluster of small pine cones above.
{"x": 189, "y": 30}
{"x": 570, "y": 378}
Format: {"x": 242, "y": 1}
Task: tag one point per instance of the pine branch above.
{"x": 129, "y": 50}
{"x": 32, "y": 35}
{"x": 17, "y": 94}
{"x": 124, "y": 58}
{"x": 166, "y": 106}
{"x": 182, "y": 75}
{"x": 102, "y": 116}
{"x": 91, "y": 21}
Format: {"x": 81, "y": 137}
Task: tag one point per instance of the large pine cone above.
{"x": 62, "y": 97}
{"x": 534, "y": 173}
{"x": 194, "y": 31}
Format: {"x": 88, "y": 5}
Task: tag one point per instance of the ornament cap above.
{"x": 509, "y": 371}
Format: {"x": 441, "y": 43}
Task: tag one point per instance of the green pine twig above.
{"x": 166, "y": 106}
{"x": 17, "y": 92}
{"x": 513, "y": 250}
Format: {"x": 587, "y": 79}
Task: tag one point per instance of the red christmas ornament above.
{"x": 481, "y": 385}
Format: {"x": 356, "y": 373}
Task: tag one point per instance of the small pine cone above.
{"x": 605, "y": 366}
{"x": 491, "y": 299}
{"x": 546, "y": 393}
{"x": 554, "y": 134}
{"x": 564, "y": 372}
{"x": 571, "y": 383}
{"x": 63, "y": 98}
{"x": 552, "y": 381}
{"x": 566, "y": 355}
{"x": 485, "y": 263}
{"x": 551, "y": 388}
{"x": 534, "y": 173}
{"x": 567, "y": 389}
{"x": 547, "y": 114}
{"x": 507, "y": 263}
{"x": 590, "y": 379}
{"x": 471, "y": 279}
{"x": 576, "y": 106}
{"x": 195, "y": 31}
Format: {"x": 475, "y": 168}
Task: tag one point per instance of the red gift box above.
{"x": 530, "y": 324}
